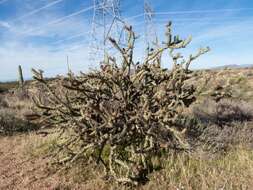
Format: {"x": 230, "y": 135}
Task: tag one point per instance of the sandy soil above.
{"x": 18, "y": 171}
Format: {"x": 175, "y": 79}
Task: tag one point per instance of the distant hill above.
{"x": 234, "y": 66}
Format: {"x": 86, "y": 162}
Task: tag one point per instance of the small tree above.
{"x": 123, "y": 114}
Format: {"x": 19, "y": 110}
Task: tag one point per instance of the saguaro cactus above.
{"x": 20, "y": 77}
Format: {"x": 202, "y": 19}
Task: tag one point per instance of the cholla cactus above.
{"x": 119, "y": 115}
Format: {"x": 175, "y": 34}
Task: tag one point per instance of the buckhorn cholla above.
{"x": 123, "y": 114}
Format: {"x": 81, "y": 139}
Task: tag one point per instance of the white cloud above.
{"x": 5, "y": 24}
{"x": 225, "y": 31}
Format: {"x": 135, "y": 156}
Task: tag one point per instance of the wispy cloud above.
{"x": 227, "y": 31}
{"x": 38, "y": 10}
{"x": 5, "y": 24}
{"x": 202, "y": 11}
{"x": 62, "y": 19}
{"x": 3, "y": 1}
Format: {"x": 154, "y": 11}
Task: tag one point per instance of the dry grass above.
{"x": 232, "y": 171}
{"x": 4, "y": 87}
{"x": 198, "y": 170}
{"x": 39, "y": 145}
{"x": 9, "y": 124}
{"x": 18, "y": 103}
{"x": 14, "y": 107}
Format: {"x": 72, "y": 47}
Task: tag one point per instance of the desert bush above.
{"x": 3, "y": 103}
{"x": 218, "y": 126}
{"x": 9, "y": 124}
{"x": 221, "y": 140}
{"x": 219, "y": 92}
{"x": 223, "y": 112}
{"x": 123, "y": 114}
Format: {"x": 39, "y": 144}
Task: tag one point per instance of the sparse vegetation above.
{"x": 4, "y": 87}
{"x": 223, "y": 112}
{"x": 9, "y": 124}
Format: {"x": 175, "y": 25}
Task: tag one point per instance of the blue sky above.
{"x": 42, "y": 33}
